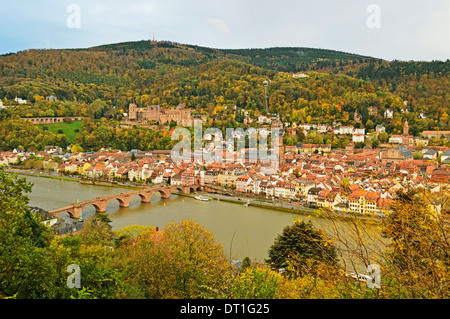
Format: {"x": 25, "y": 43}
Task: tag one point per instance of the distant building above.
{"x": 438, "y": 134}
{"x": 51, "y": 98}
{"x": 345, "y": 129}
{"x": 388, "y": 114}
{"x": 373, "y": 110}
{"x": 356, "y": 138}
{"x": 406, "y": 137}
{"x": 445, "y": 157}
{"x": 180, "y": 114}
{"x": 20, "y": 101}
{"x": 357, "y": 117}
{"x": 300, "y": 75}
{"x": 311, "y": 148}
{"x": 395, "y": 139}
{"x": 380, "y": 128}
{"x": 264, "y": 119}
{"x": 322, "y": 128}
{"x": 349, "y": 148}
{"x": 396, "y": 154}
{"x": 430, "y": 154}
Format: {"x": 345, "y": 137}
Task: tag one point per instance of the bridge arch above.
{"x": 123, "y": 201}
{"x": 67, "y": 211}
{"x": 181, "y": 189}
{"x": 165, "y": 192}
{"x": 99, "y": 207}
{"x": 193, "y": 189}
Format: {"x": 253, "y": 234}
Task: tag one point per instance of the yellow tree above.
{"x": 418, "y": 259}
{"x": 182, "y": 261}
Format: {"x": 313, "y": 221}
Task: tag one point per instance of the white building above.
{"x": 445, "y": 157}
{"x": 395, "y": 139}
{"x": 300, "y": 75}
{"x": 346, "y": 130}
{"x": 380, "y": 128}
{"x": 264, "y": 119}
{"x": 20, "y": 101}
{"x": 430, "y": 154}
{"x": 388, "y": 114}
{"x": 322, "y": 128}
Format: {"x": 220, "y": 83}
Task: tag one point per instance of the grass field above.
{"x": 68, "y": 129}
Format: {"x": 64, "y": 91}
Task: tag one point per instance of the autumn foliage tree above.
{"x": 418, "y": 255}
{"x": 182, "y": 261}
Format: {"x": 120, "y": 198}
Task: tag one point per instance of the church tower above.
{"x": 276, "y": 123}
{"x": 405, "y": 136}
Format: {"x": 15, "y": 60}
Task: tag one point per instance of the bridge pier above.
{"x": 165, "y": 194}
{"x": 146, "y": 197}
{"x": 124, "y": 201}
{"x": 76, "y": 212}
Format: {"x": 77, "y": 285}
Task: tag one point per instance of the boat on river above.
{"x": 203, "y": 198}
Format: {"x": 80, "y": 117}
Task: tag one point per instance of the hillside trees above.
{"x": 169, "y": 74}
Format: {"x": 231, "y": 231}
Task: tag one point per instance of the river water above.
{"x": 243, "y": 231}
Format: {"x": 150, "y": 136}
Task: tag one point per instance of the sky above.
{"x": 386, "y": 29}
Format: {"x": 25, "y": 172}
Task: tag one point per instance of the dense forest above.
{"x": 100, "y": 82}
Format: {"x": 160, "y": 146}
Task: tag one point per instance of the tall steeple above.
{"x": 276, "y": 123}
{"x": 405, "y": 128}
{"x": 405, "y": 136}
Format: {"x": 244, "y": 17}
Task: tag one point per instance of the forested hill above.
{"x": 168, "y": 73}
{"x": 287, "y": 59}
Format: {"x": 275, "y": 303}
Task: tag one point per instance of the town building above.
{"x": 395, "y": 154}
{"x": 388, "y": 114}
{"x": 437, "y": 134}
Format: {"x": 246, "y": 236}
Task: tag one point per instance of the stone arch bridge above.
{"x": 100, "y": 203}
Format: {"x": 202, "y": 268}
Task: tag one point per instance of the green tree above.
{"x": 417, "y": 155}
{"x": 26, "y": 268}
{"x": 301, "y": 248}
{"x": 97, "y": 230}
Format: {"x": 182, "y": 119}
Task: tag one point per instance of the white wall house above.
{"x": 357, "y": 138}
{"x": 346, "y": 130}
{"x": 20, "y": 101}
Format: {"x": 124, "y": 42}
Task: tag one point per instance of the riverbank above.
{"x": 41, "y": 174}
{"x": 289, "y": 208}
{"x": 34, "y": 173}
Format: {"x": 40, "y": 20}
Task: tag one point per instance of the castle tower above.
{"x": 132, "y": 111}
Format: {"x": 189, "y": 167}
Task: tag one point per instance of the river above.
{"x": 243, "y": 231}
